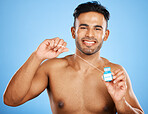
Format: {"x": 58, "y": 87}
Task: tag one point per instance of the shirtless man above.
{"x": 75, "y": 87}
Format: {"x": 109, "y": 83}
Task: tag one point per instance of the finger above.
{"x": 64, "y": 44}
{"x": 112, "y": 73}
{"x": 119, "y": 78}
{"x": 116, "y": 71}
{"x": 118, "y": 74}
{"x": 60, "y": 50}
{"x": 47, "y": 42}
{"x": 122, "y": 85}
{"x": 102, "y": 77}
{"x": 51, "y": 44}
{"x": 56, "y": 41}
{"x": 63, "y": 48}
{"x": 59, "y": 45}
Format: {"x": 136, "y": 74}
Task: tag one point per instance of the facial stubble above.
{"x": 88, "y": 50}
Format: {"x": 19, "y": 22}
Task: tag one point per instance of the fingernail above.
{"x": 62, "y": 46}
{"x": 60, "y": 50}
{"x": 55, "y": 49}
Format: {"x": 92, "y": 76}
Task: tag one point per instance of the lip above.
{"x": 89, "y": 42}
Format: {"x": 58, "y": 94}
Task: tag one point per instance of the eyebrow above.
{"x": 98, "y": 26}
{"x": 88, "y": 25}
{"x": 83, "y": 25}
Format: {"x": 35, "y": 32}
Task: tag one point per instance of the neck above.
{"x": 81, "y": 60}
{"x": 90, "y": 58}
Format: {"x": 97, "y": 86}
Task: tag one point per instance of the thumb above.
{"x": 65, "y": 49}
{"x": 61, "y": 50}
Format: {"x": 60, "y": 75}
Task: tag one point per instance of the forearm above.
{"x": 123, "y": 107}
{"x": 21, "y": 81}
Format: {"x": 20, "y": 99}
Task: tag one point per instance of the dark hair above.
{"x": 91, "y": 6}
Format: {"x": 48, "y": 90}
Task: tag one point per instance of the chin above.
{"x": 89, "y": 52}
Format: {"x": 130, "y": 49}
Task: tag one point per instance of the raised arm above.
{"x": 31, "y": 79}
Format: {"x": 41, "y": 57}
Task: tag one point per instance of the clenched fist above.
{"x": 51, "y": 48}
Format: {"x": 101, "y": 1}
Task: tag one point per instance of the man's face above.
{"x": 90, "y": 30}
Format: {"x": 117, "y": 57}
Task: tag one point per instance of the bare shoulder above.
{"x": 114, "y": 66}
{"x": 55, "y": 63}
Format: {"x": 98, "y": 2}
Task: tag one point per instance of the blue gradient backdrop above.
{"x": 24, "y": 24}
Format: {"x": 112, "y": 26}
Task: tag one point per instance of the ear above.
{"x": 106, "y": 34}
{"x": 73, "y": 32}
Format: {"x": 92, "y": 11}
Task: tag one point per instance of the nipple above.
{"x": 60, "y": 104}
{"x": 106, "y": 108}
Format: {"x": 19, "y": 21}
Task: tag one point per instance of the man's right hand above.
{"x": 51, "y": 48}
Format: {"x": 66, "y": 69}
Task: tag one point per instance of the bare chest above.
{"x": 76, "y": 92}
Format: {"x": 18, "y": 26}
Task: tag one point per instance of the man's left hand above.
{"x": 117, "y": 87}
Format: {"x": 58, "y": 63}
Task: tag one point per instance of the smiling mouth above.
{"x": 88, "y": 42}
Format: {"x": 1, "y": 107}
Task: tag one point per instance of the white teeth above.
{"x": 89, "y": 42}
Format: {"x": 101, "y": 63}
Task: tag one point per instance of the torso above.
{"x": 75, "y": 92}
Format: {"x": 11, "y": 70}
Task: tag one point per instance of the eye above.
{"x": 83, "y": 28}
{"x": 97, "y": 28}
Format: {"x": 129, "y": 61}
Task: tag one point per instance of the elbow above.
{"x": 8, "y": 102}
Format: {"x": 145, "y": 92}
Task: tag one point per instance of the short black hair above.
{"x": 91, "y": 6}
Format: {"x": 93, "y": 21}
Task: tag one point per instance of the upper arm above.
{"x": 130, "y": 96}
{"x": 39, "y": 84}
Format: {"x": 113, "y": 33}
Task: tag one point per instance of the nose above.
{"x": 90, "y": 33}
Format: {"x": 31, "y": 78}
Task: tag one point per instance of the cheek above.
{"x": 80, "y": 33}
{"x": 100, "y": 35}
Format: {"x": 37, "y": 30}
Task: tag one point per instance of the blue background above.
{"x": 24, "y": 24}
